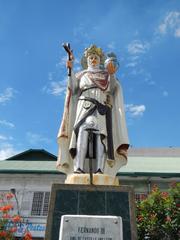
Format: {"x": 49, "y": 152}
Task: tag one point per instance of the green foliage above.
{"x": 158, "y": 216}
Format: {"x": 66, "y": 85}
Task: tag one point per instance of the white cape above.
{"x": 119, "y": 130}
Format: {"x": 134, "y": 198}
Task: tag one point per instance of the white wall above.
{"x": 26, "y": 185}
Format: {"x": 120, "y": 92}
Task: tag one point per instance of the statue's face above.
{"x": 93, "y": 60}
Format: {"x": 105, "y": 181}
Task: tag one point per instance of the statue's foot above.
{"x": 99, "y": 171}
{"x": 79, "y": 171}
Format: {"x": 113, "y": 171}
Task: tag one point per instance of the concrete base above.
{"x": 98, "y": 179}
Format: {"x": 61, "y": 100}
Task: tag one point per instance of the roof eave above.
{"x": 149, "y": 174}
{"x": 12, "y": 171}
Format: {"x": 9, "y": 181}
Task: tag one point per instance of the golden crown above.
{"x": 93, "y": 50}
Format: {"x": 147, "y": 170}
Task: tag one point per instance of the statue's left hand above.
{"x": 111, "y": 68}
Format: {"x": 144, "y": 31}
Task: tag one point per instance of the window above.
{"x": 46, "y": 204}
{"x": 40, "y": 204}
{"x": 140, "y": 196}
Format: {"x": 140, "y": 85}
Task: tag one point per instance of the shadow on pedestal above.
{"x": 91, "y": 200}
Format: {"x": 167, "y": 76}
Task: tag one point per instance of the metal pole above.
{"x": 90, "y": 154}
{"x": 13, "y": 191}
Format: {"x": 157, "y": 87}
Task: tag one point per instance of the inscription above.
{"x": 90, "y": 238}
{"x": 91, "y": 230}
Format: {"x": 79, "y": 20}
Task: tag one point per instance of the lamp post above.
{"x": 13, "y": 191}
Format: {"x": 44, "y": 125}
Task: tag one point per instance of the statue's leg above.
{"x": 99, "y": 154}
{"x": 82, "y": 143}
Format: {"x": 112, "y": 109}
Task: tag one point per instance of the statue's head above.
{"x": 93, "y": 57}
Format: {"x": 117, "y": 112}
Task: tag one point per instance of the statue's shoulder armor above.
{"x": 80, "y": 74}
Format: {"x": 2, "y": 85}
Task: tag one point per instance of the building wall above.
{"x": 145, "y": 184}
{"x": 28, "y": 186}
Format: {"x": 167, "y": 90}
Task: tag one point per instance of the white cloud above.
{"x": 35, "y": 138}
{"x": 133, "y": 58}
{"x": 165, "y": 93}
{"x": 136, "y": 50}
{"x": 56, "y": 88}
{"x": 77, "y": 65}
{"x": 137, "y": 47}
{"x": 7, "y": 124}
{"x": 131, "y": 64}
{"x": 162, "y": 28}
{"x": 62, "y": 62}
{"x": 135, "y": 68}
{"x": 7, "y": 95}
{"x": 137, "y": 71}
{"x": 5, "y": 138}
{"x": 50, "y": 76}
{"x": 7, "y": 150}
{"x": 111, "y": 45}
{"x": 170, "y": 24}
{"x": 81, "y": 32}
{"x": 26, "y": 52}
{"x": 77, "y": 68}
{"x": 177, "y": 32}
{"x": 76, "y": 61}
{"x": 148, "y": 79}
{"x": 2, "y": 137}
{"x": 135, "y": 110}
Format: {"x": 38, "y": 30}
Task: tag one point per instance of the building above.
{"x": 31, "y": 174}
{"x": 151, "y": 166}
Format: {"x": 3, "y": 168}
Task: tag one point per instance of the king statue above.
{"x": 93, "y": 106}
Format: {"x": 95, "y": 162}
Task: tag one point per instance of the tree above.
{"x": 9, "y": 222}
{"x": 158, "y": 216}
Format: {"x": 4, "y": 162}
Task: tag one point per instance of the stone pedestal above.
{"x": 98, "y": 179}
{"x": 67, "y": 199}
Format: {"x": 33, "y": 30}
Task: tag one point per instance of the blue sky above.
{"x": 145, "y": 35}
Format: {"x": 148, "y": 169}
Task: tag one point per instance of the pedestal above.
{"x": 98, "y": 179}
{"x": 91, "y": 200}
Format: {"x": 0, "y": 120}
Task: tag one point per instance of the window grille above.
{"x": 40, "y": 204}
{"x": 140, "y": 196}
{"x": 46, "y": 204}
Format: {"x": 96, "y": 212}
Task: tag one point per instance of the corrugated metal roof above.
{"x": 28, "y": 166}
{"x": 152, "y": 165}
{"x": 135, "y": 166}
{"x": 154, "y": 152}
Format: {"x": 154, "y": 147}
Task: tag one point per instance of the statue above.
{"x": 93, "y": 123}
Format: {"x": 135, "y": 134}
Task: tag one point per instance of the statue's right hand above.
{"x": 69, "y": 64}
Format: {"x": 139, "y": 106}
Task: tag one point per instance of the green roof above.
{"x": 151, "y": 166}
{"x": 137, "y": 166}
{"x": 27, "y": 166}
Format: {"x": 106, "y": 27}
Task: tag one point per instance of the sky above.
{"x": 145, "y": 36}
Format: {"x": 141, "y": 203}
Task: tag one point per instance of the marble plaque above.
{"x": 87, "y": 227}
